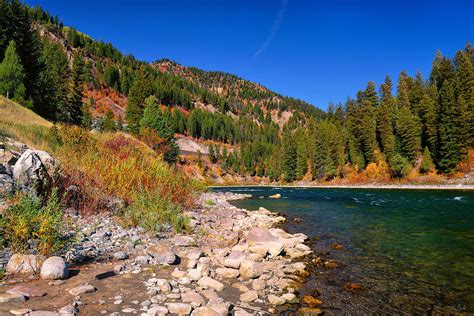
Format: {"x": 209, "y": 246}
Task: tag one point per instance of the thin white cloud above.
{"x": 275, "y": 28}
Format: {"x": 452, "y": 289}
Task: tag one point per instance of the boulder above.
{"x": 162, "y": 254}
{"x": 249, "y": 269}
{"x": 206, "y": 311}
{"x": 179, "y": 240}
{"x": 211, "y": 283}
{"x": 54, "y": 268}
{"x": 120, "y": 255}
{"x": 179, "y": 308}
{"x": 234, "y": 259}
{"x": 82, "y": 289}
{"x": 157, "y": 311}
{"x": 35, "y": 171}
{"x": 249, "y": 296}
{"x": 194, "y": 254}
{"x": 276, "y": 300}
{"x": 27, "y": 291}
{"x": 195, "y": 299}
{"x": 22, "y": 264}
{"x": 259, "y": 235}
{"x": 228, "y": 273}
{"x": 275, "y": 196}
{"x": 11, "y": 298}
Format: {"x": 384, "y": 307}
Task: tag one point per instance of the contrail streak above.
{"x": 275, "y": 28}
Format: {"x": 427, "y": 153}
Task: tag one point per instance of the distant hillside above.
{"x": 423, "y": 131}
{"x": 237, "y": 89}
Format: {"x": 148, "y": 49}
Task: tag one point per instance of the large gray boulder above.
{"x": 162, "y": 254}
{"x": 35, "y": 171}
{"x": 54, "y": 268}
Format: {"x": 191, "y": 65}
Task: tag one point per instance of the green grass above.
{"x": 24, "y": 125}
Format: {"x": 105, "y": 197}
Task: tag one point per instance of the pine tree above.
{"x": 428, "y": 117}
{"x": 289, "y": 158}
{"x": 465, "y": 91}
{"x": 449, "y": 154}
{"x": 74, "y": 113}
{"x": 427, "y": 163}
{"x": 384, "y": 119}
{"x": 212, "y": 154}
{"x": 86, "y": 117}
{"x": 112, "y": 77}
{"x": 140, "y": 90}
{"x": 12, "y": 74}
{"x": 108, "y": 123}
{"x": 408, "y": 131}
{"x": 21, "y": 30}
{"x": 301, "y": 154}
{"x": 368, "y": 127}
{"x": 57, "y": 75}
{"x": 403, "y": 91}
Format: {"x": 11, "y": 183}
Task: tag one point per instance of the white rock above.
{"x": 228, "y": 272}
{"x": 54, "y": 268}
{"x": 82, "y": 289}
{"x": 249, "y": 296}
{"x": 179, "y": 308}
{"x": 249, "y": 269}
{"x": 211, "y": 283}
{"x": 234, "y": 259}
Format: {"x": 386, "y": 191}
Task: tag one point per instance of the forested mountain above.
{"x": 427, "y": 126}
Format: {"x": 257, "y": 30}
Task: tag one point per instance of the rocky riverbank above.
{"x": 232, "y": 261}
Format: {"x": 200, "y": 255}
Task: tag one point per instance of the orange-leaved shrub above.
{"x": 116, "y": 165}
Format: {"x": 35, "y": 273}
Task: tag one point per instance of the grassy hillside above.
{"x": 23, "y": 125}
{"x": 104, "y": 167}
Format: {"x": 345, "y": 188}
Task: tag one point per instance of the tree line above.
{"x": 427, "y": 123}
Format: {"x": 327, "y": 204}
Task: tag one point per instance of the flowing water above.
{"x": 412, "y": 251}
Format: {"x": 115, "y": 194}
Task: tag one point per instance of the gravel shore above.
{"x": 232, "y": 261}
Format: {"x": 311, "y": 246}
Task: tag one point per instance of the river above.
{"x": 411, "y": 251}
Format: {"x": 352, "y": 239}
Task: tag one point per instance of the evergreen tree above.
{"x": 403, "y": 91}
{"x": 153, "y": 119}
{"x": 108, "y": 123}
{"x": 449, "y": 152}
{"x": 212, "y": 154}
{"x": 399, "y": 166}
{"x": 428, "y": 117}
{"x": 74, "y": 112}
{"x": 289, "y": 158}
{"x": 408, "y": 132}
{"x": 368, "y": 127}
{"x": 384, "y": 119}
{"x": 12, "y": 74}
{"x": 465, "y": 87}
{"x": 140, "y": 90}
{"x": 56, "y": 75}
{"x": 86, "y": 117}
{"x": 427, "y": 163}
{"x": 301, "y": 154}
{"x": 112, "y": 77}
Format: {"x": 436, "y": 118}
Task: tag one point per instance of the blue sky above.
{"x": 318, "y": 51}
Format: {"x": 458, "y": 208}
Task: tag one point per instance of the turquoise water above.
{"x": 411, "y": 250}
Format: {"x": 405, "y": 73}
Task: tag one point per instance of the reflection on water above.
{"x": 412, "y": 250}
